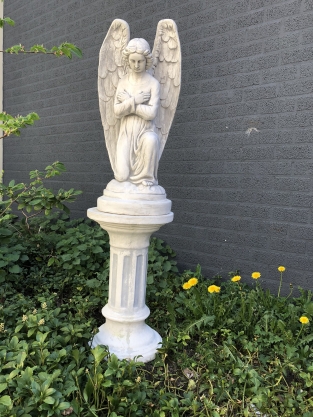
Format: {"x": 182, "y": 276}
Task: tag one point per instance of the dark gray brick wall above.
{"x": 241, "y": 200}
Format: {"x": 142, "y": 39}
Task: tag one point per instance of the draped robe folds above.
{"x": 137, "y": 149}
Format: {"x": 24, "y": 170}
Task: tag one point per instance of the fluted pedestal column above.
{"x": 125, "y": 332}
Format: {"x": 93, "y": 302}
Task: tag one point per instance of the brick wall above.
{"x": 238, "y": 163}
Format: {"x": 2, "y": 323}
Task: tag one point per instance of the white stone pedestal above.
{"x": 125, "y": 332}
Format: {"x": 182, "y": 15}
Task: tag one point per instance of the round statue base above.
{"x": 129, "y": 223}
{"x": 126, "y": 339}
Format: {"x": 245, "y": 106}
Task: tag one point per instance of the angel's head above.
{"x": 138, "y": 54}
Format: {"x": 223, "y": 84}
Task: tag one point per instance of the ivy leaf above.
{"x": 51, "y": 261}
{"x": 150, "y": 279}
{"x": 97, "y": 249}
{"x": 99, "y": 353}
{"x": 6, "y": 401}
{"x": 15, "y": 269}
{"x": 49, "y": 400}
{"x": 167, "y": 266}
{"x": 3, "y": 386}
{"x": 5, "y": 232}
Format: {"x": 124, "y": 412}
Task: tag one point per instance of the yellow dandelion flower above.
{"x": 214, "y": 288}
{"x": 304, "y": 320}
{"x": 255, "y": 275}
{"x": 186, "y": 286}
{"x": 236, "y": 278}
{"x": 193, "y": 281}
{"x": 281, "y": 269}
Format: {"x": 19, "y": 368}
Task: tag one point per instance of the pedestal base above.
{"x": 128, "y": 340}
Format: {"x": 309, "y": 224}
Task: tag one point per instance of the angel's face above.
{"x": 137, "y": 62}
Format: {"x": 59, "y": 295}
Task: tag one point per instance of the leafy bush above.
{"x": 32, "y": 198}
{"x": 228, "y": 352}
{"x": 48, "y": 316}
{"x": 229, "y": 349}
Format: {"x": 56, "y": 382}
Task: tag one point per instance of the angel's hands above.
{"x": 142, "y": 97}
{"x": 122, "y": 96}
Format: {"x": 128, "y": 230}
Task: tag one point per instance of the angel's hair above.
{"x": 139, "y": 46}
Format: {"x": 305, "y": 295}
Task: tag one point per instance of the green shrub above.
{"x": 229, "y": 349}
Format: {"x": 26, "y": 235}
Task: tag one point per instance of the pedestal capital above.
{"x": 126, "y": 219}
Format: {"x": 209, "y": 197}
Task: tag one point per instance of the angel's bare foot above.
{"x": 147, "y": 183}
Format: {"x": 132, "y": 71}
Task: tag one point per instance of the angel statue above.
{"x": 138, "y": 95}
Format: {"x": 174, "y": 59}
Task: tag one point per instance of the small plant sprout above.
{"x": 281, "y": 269}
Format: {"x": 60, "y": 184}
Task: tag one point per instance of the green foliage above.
{"x": 236, "y": 350}
{"x": 11, "y": 125}
{"x": 228, "y": 353}
{"x": 161, "y": 263}
{"x": 6, "y": 20}
{"x": 242, "y": 349}
{"x": 32, "y": 199}
{"x": 54, "y": 282}
{"x": 65, "y": 49}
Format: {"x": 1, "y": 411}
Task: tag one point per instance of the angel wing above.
{"x": 110, "y": 71}
{"x": 167, "y": 70}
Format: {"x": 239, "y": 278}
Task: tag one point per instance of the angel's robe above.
{"x": 137, "y": 149}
